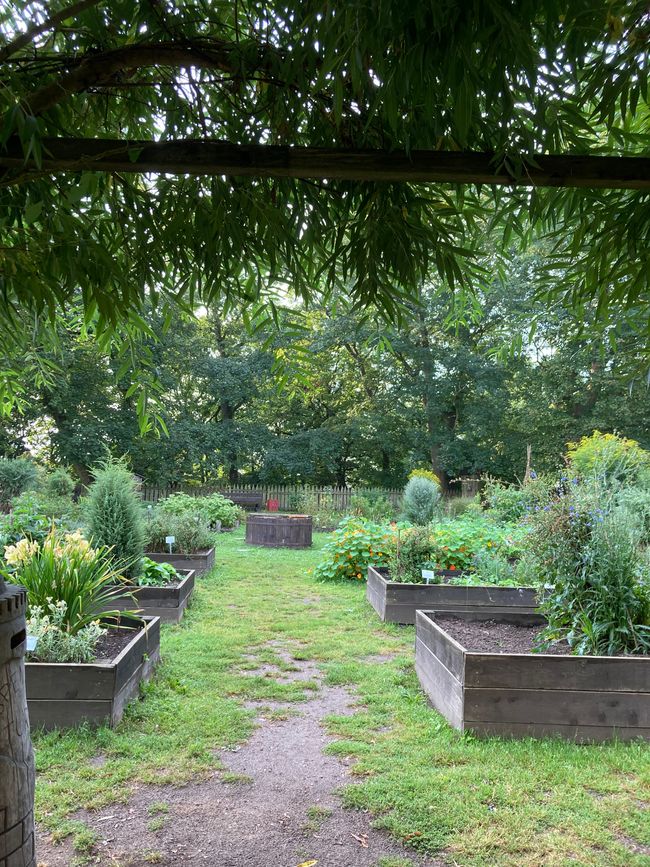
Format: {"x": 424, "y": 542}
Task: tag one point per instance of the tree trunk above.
{"x": 16, "y": 756}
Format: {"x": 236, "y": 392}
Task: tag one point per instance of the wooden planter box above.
{"x": 199, "y": 563}
{"x": 62, "y": 695}
{"x": 580, "y": 698}
{"x": 397, "y": 603}
{"x": 272, "y": 530}
{"x": 168, "y": 603}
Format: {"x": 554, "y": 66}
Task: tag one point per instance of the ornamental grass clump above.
{"x": 421, "y": 500}
{"x": 356, "y": 545}
{"x": 114, "y": 515}
{"x": 597, "y": 581}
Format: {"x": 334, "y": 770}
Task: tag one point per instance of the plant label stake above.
{"x": 428, "y": 575}
{"x": 170, "y": 541}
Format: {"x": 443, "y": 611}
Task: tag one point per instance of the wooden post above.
{"x": 16, "y": 756}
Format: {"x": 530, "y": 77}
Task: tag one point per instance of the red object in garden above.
{"x": 273, "y": 505}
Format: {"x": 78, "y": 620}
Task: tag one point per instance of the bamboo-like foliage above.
{"x": 515, "y": 80}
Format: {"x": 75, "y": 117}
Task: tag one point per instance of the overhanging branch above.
{"x": 206, "y": 157}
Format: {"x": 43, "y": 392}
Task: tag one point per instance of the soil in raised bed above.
{"x": 112, "y": 643}
{"x": 488, "y": 636}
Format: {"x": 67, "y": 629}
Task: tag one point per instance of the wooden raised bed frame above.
{"x": 199, "y": 563}
{"x": 274, "y": 530}
{"x": 579, "y": 698}
{"x": 62, "y": 695}
{"x": 168, "y": 603}
{"x": 397, "y": 603}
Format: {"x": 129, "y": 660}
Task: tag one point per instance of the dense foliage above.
{"x": 215, "y": 510}
{"x": 191, "y": 533}
{"x": 68, "y": 570}
{"x": 421, "y": 500}
{"x": 389, "y": 75}
{"x": 597, "y": 594}
{"x": 155, "y": 574}
{"x": 16, "y": 476}
{"x": 356, "y": 545}
{"x": 114, "y": 515}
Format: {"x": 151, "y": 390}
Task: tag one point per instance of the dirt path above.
{"x": 274, "y": 805}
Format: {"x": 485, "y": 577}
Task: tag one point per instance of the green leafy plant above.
{"x": 597, "y": 584}
{"x": 59, "y": 483}
{"x": 409, "y": 552}
{"x": 157, "y": 574}
{"x": 190, "y": 532}
{"x": 509, "y": 503}
{"x": 53, "y": 508}
{"x": 609, "y": 457}
{"x": 375, "y": 508}
{"x": 16, "y": 475}
{"x": 55, "y": 642}
{"x": 212, "y": 510}
{"x": 421, "y": 500}
{"x": 425, "y": 474}
{"x": 356, "y": 545}
{"x": 25, "y": 521}
{"x": 455, "y": 544}
{"x": 114, "y": 515}
{"x": 67, "y": 569}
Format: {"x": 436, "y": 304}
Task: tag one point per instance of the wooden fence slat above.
{"x": 339, "y": 497}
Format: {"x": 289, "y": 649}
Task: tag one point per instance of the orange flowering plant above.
{"x": 356, "y": 545}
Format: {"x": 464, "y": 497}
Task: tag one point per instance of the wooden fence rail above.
{"x": 289, "y": 497}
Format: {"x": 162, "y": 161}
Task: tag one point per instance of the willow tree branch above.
{"x": 49, "y": 24}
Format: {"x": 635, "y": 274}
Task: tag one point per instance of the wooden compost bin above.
{"x": 200, "y": 562}
{"x": 580, "y": 698}
{"x": 167, "y": 602}
{"x": 397, "y": 603}
{"x": 62, "y": 695}
{"x": 272, "y": 530}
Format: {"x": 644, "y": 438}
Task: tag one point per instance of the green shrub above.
{"x": 375, "y": 508}
{"x": 157, "y": 574}
{"x": 455, "y": 544}
{"x": 61, "y": 509}
{"x": 609, "y": 457}
{"x": 190, "y": 531}
{"x": 490, "y": 567}
{"x": 509, "y": 503}
{"x": 212, "y": 510}
{"x": 425, "y": 474}
{"x": 25, "y": 521}
{"x": 421, "y": 500}
{"x": 356, "y": 545}
{"x": 597, "y": 593}
{"x": 16, "y": 475}
{"x": 455, "y": 507}
{"x": 55, "y": 642}
{"x": 114, "y": 516}
{"x": 219, "y": 509}
{"x": 408, "y": 553}
{"x": 636, "y": 502}
{"x": 66, "y": 569}
{"x": 59, "y": 483}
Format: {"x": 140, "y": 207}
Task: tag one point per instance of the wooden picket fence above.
{"x": 289, "y": 497}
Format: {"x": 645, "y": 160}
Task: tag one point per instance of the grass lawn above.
{"x": 482, "y": 802}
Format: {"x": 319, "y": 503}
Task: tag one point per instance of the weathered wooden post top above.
{"x": 16, "y": 756}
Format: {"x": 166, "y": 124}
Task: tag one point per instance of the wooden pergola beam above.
{"x": 206, "y": 157}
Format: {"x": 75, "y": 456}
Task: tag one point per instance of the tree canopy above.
{"x": 509, "y": 82}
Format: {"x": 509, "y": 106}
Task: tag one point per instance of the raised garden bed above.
{"x": 272, "y": 530}
{"x": 167, "y": 602}
{"x": 62, "y": 695}
{"x": 522, "y": 694}
{"x": 397, "y": 603}
{"x": 199, "y": 563}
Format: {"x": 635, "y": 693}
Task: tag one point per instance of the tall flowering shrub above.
{"x": 597, "y": 583}
{"x": 356, "y": 545}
